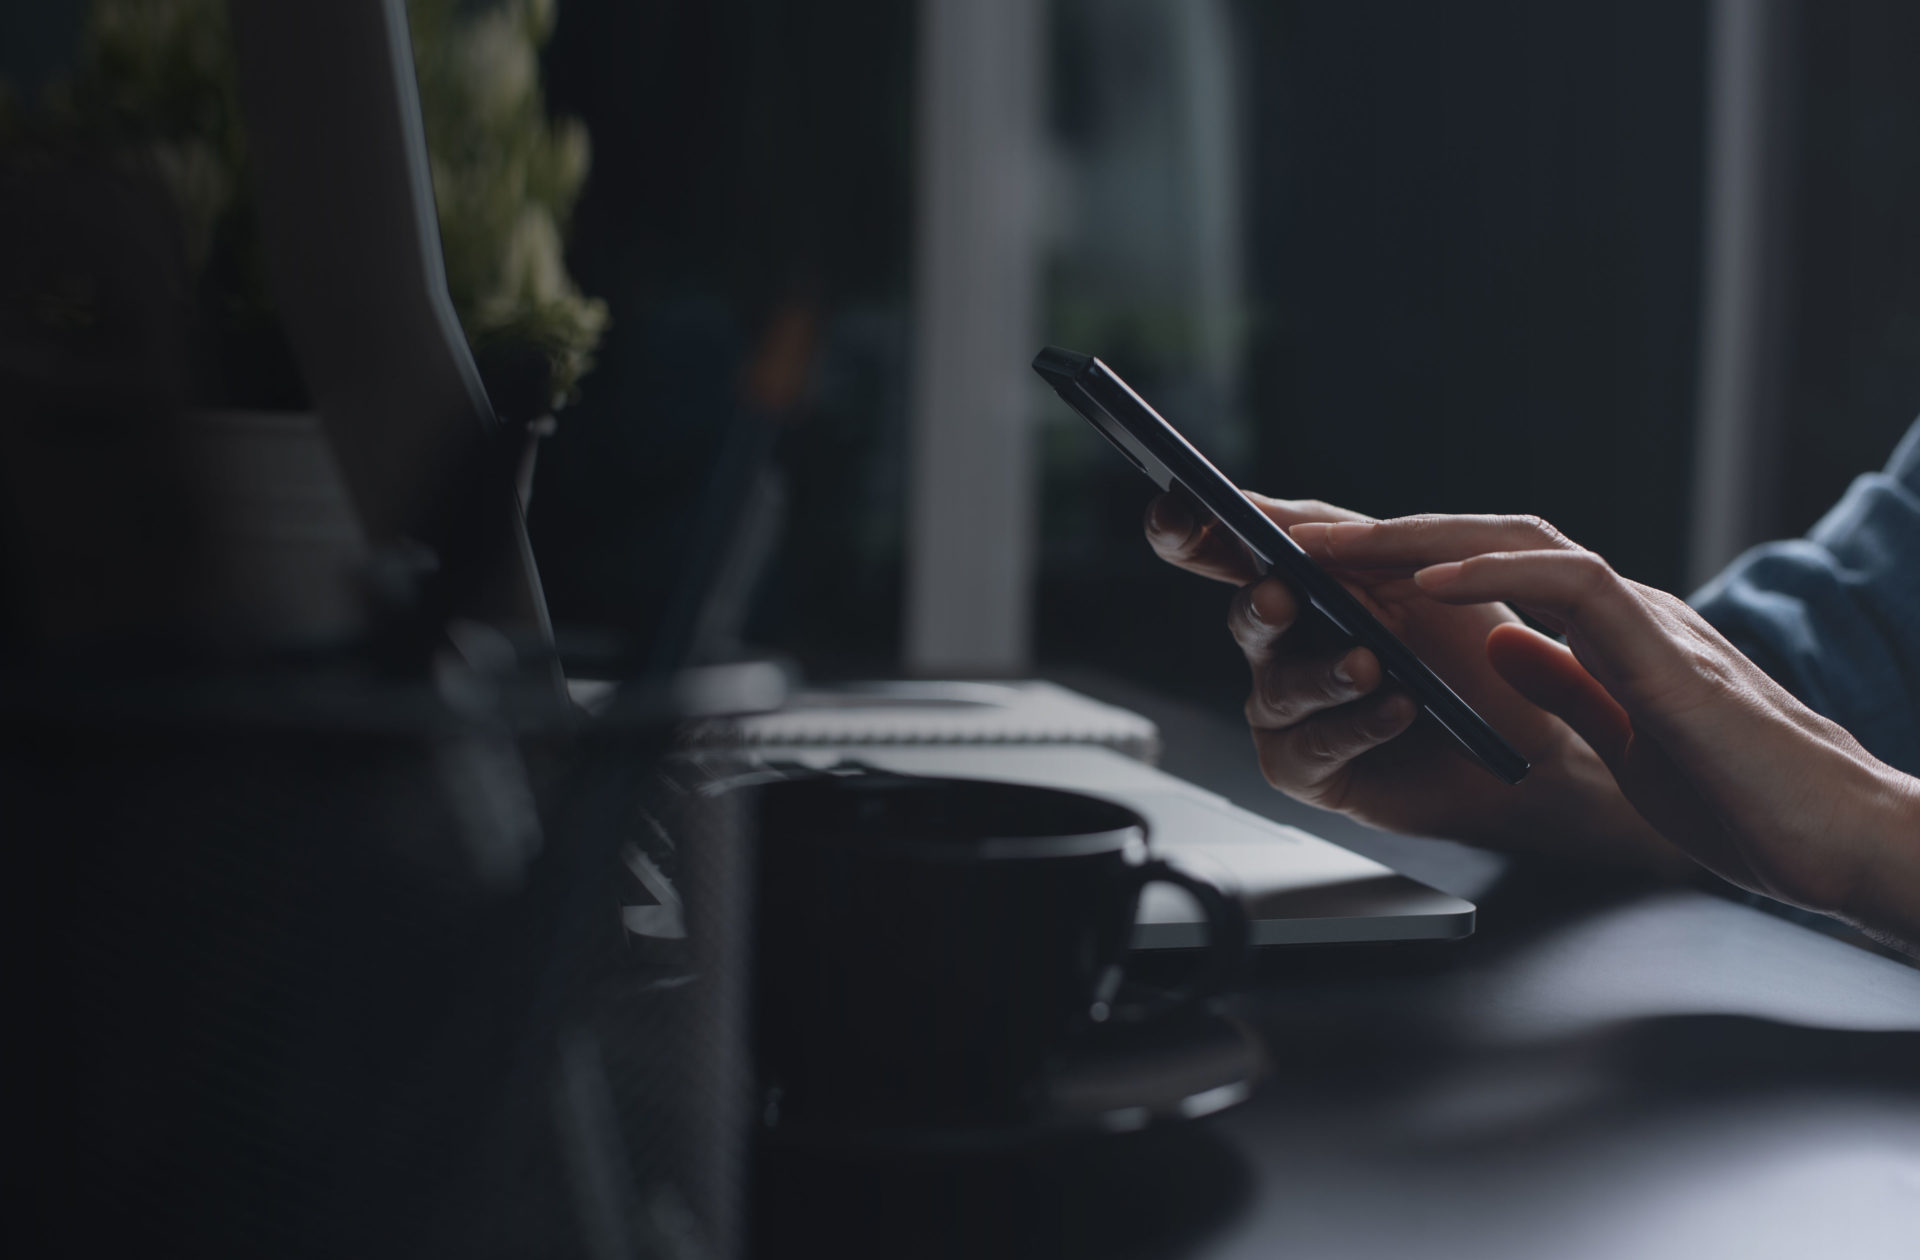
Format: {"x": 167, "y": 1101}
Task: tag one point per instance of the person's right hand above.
{"x": 1329, "y": 733}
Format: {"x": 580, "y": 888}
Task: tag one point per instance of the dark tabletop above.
{"x": 1603, "y": 1069}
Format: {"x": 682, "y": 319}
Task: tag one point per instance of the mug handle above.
{"x": 1226, "y": 946}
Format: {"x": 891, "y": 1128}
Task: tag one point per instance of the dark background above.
{"x": 1473, "y": 235}
{"x": 1853, "y": 322}
{"x": 750, "y": 164}
{"x": 1473, "y": 246}
{"x": 1472, "y": 271}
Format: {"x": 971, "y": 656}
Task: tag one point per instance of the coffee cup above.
{"x": 927, "y": 948}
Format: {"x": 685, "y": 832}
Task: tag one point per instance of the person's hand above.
{"x": 1720, "y": 759}
{"x": 1332, "y": 731}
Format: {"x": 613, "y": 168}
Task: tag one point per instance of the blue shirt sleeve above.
{"x": 1835, "y": 616}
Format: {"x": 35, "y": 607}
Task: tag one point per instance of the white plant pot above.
{"x": 284, "y": 554}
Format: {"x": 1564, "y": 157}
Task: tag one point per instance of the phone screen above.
{"x": 1157, "y": 449}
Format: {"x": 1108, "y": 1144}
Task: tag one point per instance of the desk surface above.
{"x": 1599, "y": 1072}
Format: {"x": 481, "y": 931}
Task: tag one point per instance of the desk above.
{"x": 1600, "y": 1072}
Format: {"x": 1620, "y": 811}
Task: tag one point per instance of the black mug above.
{"x": 926, "y": 948}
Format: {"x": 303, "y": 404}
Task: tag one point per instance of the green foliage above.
{"x": 505, "y": 178}
{"x": 154, "y": 87}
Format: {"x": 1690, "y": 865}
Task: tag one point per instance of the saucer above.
{"x": 1122, "y": 1078}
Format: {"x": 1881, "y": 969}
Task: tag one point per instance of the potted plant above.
{"x": 167, "y": 471}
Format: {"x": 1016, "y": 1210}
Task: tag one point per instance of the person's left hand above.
{"x": 1719, "y": 758}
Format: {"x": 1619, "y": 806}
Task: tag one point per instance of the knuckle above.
{"x": 1592, "y": 574}
{"x": 1318, "y": 746}
{"x": 1270, "y": 698}
{"x": 1286, "y": 770}
{"x": 1271, "y": 705}
{"x": 1249, "y": 629}
{"x": 1539, "y": 528}
{"x": 1416, "y": 527}
{"x": 1544, "y": 534}
{"x": 1272, "y": 764}
{"x": 1240, "y": 620}
{"x": 1579, "y": 578}
{"x": 1256, "y": 711}
{"x": 1327, "y": 687}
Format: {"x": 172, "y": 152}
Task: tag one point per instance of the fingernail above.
{"x": 1341, "y": 673}
{"x": 1437, "y": 575}
{"x": 1395, "y": 714}
{"x": 1171, "y": 518}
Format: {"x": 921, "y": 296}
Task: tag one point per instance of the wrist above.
{"x": 1883, "y": 898}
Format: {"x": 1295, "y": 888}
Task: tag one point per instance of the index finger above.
{"x": 1414, "y": 542}
{"x": 1615, "y": 626}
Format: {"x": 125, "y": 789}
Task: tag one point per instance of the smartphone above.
{"x": 1157, "y": 449}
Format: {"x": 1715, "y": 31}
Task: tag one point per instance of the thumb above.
{"x": 1546, "y": 673}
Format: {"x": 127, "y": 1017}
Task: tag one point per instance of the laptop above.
{"x": 1296, "y": 888}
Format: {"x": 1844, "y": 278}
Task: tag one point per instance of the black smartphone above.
{"x": 1157, "y": 449}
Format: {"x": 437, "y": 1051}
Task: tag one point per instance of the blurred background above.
{"x": 1398, "y": 256}
{"x": 1644, "y": 268}
{"x": 753, "y": 286}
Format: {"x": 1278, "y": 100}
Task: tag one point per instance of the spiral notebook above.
{"x": 909, "y": 712}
